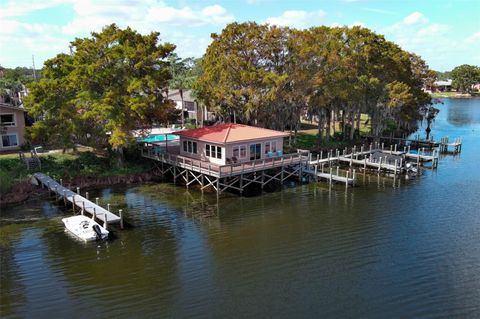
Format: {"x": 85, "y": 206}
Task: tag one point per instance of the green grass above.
{"x": 448, "y": 94}
{"x": 68, "y": 165}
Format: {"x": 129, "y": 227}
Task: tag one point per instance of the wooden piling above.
{"x": 120, "y": 213}
{"x": 105, "y": 221}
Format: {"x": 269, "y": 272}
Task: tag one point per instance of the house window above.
{"x": 213, "y": 151}
{"x": 243, "y": 151}
{"x": 9, "y": 140}
{"x": 7, "y": 120}
{"x": 190, "y": 147}
{"x": 255, "y": 151}
{"x": 240, "y": 151}
{"x": 267, "y": 147}
{"x": 236, "y": 151}
{"x": 274, "y": 146}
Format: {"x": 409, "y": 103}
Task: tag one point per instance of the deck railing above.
{"x": 159, "y": 154}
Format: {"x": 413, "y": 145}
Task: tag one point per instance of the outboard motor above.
{"x": 97, "y": 231}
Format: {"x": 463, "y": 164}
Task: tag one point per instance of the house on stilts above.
{"x": 226, "y": 156}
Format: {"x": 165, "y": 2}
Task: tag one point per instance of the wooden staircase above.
{"x": 33, "y": 162}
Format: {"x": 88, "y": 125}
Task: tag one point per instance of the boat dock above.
{"x": 76, "y": 200}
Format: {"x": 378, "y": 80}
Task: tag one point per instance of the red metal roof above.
{"x": 230, "y": 133}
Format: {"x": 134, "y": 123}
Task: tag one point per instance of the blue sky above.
{"x": 446, "y": 33}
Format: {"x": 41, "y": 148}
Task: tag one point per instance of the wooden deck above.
{"x": 85, "y": 205}
{"x": 222, "y": 171}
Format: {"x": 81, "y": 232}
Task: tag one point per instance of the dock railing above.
{"x": 204, "y": 167}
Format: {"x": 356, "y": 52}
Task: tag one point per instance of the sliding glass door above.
{"x": 255, "y": 151}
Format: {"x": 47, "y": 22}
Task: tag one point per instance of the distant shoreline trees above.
{"x": 272, "y": 76}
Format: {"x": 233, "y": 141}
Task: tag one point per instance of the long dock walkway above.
{"x": 77, "y": 200}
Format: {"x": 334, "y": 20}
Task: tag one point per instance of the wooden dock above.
{"x": 76, "y": 200}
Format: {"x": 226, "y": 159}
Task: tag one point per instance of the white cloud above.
{"x": 177, "y": 24}
{"x": 16, "y": 9}
{"x": 142, "y": 15}
{"x": 474, "y": 38}
{"x": 415, "y": 18}
{"x": 298, "y": 18}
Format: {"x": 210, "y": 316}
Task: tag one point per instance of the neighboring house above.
{"x": 443, "y": 85}
{"x": 191, "y": 107}
{"x": 231, "y": 143}
{"x": 12, "y": 127}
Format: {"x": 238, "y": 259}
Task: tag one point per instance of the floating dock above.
{"x": 83, "y": 203}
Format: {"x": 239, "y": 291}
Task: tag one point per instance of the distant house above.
{"x": 443, "y": 85}
{"x": 12, "y": 127}
{"x": 192, "y": 108}
{"x": 231, "y": 143}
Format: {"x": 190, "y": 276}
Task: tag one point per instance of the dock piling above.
{"x": 120, "y": 213}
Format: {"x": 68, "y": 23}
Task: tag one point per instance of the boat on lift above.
{"x": 85, "y": 228}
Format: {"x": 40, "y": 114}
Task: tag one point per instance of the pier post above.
{"x": 105, "y": 222}
{"x": 395, "y": 170}
{"x": 337, "y": 170}
{"x": 390, "y": 148}
{"x": 382, "y": 146}
{"x": 330, "y": 175}
{"x": 370, "y": 147}
{"x": 94, "y": 213}
{"x": 365, "y": 163}
{"x": 86, "y": 195}
{"x": 354, "y": 176}
{"x": 83, "y": 208}
{"x": 108, "y": 206}
{"x": 49, "y": 190}
{"x": 78, "y": 190}
{"x": 96, "y": 201}
{"x": 408, "y": 149}
{"x": 73, "y": 203}
{"x": 346, "y": 180}
{"x": 56, "y": 194}
{"x": 64, "y": 197}
{"x": 379, "y": 164}
{"x": 120, "y": 213}
{"x": 395, "y": 148}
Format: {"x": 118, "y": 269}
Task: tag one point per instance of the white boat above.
{"x": 411, "y": 170}
{"x": 85, "y": 228}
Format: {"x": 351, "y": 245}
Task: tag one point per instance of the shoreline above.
{"x": 23, "y": 190}
{"x": 453, "y": 95}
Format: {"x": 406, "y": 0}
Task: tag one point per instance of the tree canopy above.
{"x": 464, "y": 76}
{"x": 111, "y": 84}
{"x": 271, "y": 76}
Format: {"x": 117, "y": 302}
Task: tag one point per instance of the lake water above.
{"x": 409, "y": 249}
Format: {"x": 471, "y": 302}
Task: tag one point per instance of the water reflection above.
{"x": 463, "y": 111}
